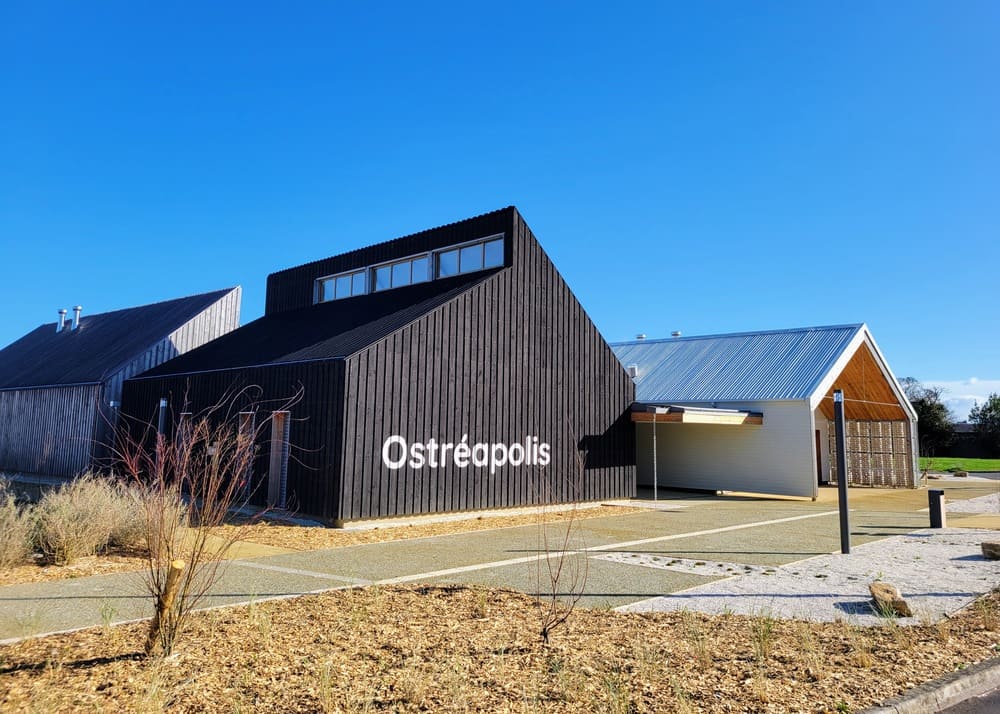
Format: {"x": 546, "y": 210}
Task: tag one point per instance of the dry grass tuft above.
{"x": 16, "y": 530}
{"x": 86, "y": 516}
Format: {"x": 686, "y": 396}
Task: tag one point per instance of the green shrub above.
{"x": 15, "y": 530}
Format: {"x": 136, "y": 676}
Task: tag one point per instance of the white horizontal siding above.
{"x": 776, "y": 457}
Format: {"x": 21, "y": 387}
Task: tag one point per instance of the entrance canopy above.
{"x": 674, "y": 414}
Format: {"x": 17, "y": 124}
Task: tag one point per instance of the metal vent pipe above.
{"x": 62, "y": 320}
{"x": 76, "y": 316}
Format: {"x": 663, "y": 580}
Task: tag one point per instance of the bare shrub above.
{"x": 15, "y": 530}
{"x": 562, "y": 570}
{"x": 76, "y": 519}
{"x": 204, "y": 466}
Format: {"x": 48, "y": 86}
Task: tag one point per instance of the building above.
{"x": 61, "y": 383}
{"x": 753, "y": 411}
{"x": 967, "y": 443}
{"x": 448, "y": 370}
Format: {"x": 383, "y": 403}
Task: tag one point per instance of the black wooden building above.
{"x": 448, "y": 370}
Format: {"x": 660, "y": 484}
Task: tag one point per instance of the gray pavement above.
{"x": 938, "y": 571}
{"x": 691, "y": 550}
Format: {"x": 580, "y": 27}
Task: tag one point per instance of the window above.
{"x": 397, "y": 275}
{"x": 421, "y": 272}
{"x": 383, "y": 278}
{"x": 448, "y": 264}
{"x": 343, "y": 287}
{"x": 470, "y": 258}
{"x": 401, "y": 274}
{"x": 337, "y": 287}
{"x": 493, "y": 257}
{"x": 482, "y": 254}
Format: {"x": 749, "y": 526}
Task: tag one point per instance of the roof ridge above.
{"x": 747, "y": 333}
{"x": 398, "y": 238}
{"x": 220, "y": 292}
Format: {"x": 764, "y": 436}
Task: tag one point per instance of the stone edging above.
{"x": 945, "y": 692}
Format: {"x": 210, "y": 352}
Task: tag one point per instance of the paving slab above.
{"x": 938, "y": 571}
{"x": 760, "y": 533}
{"x": 607, "y": 584}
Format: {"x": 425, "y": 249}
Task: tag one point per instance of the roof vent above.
{"x": 76, "y": 316}
{"x": 641, "y": 336}
{"x": 675, "y": 333}
{"x": 633, "y": 370}
{"x": 62, "y": 320}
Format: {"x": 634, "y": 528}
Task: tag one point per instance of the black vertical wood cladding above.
{"x": 514, "y": 356}
{"x": 294, "y": 288}
{"x": 317, "y": 419}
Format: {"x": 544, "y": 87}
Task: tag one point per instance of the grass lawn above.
{"x": 958, "y": 464}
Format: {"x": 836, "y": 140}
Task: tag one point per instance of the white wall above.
{"x": 823, "y": 425}
{"x": 776, "y": 457}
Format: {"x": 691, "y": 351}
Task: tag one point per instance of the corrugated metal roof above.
{"x": 104, "y": 342}
{"x": 747, "y": 366}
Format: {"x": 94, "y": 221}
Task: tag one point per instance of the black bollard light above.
{"x": 935, "y": 500}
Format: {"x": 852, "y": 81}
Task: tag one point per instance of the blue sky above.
{"x": 709, "y": 167}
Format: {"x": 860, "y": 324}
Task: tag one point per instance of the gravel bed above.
{"x": 938, "y": 572}
{"x": 982, "y": 504}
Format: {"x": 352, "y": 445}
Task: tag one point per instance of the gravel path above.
{"x": 983, "y": 504}
{"x": 939, "y": 571}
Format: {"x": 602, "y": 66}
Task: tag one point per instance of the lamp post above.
{"x": 838, "y": 420}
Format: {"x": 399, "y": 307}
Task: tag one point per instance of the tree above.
{"x": 986, "y": 417}
{"x": 935, "y": 426}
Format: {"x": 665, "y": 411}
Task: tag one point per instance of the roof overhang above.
{"x": 675, "y": 414}
{"x": 871, "y": 390}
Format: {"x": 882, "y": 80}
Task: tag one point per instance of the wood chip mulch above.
{"x": 470, "y": 649}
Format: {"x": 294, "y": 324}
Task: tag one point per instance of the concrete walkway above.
{"x": 632, "y": 559}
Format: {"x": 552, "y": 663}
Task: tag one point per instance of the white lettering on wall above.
{"x": 387, "y": 452}
{"x": 397, "y": 453}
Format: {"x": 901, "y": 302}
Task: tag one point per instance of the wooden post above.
{"x": 164, "y": 603}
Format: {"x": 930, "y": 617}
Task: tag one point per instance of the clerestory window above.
{"x": 443, "y": 263}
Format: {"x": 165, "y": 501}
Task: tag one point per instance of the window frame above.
{"x": 321, "y": 292}
{"x": 432, "y": 269}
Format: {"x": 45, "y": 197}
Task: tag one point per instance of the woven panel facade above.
{"x": 879, "y": 454}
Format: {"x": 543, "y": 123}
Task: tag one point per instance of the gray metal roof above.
{"x": 747, "y": 366}
{"x": 102, "y": 344}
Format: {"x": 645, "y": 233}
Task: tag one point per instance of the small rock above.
{"x": 991, "y": 549}
{"x": 889, "y": 599}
